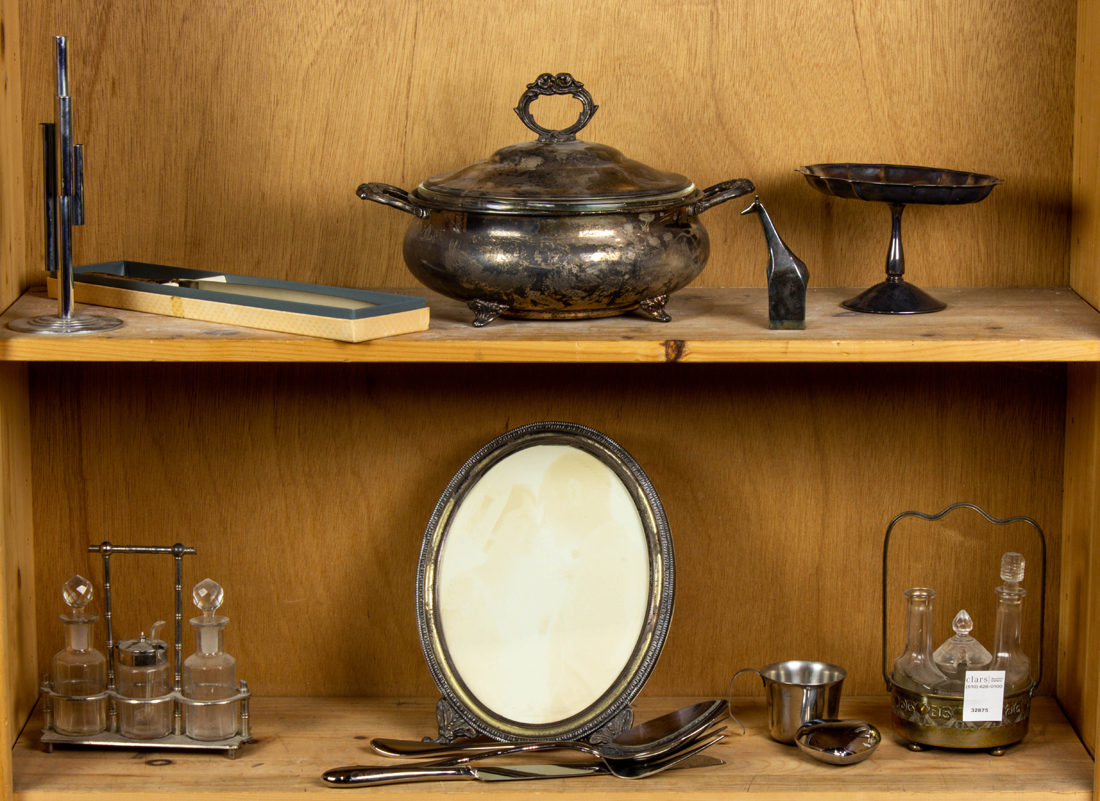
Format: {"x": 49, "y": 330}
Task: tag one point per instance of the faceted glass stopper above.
{"x": 962, "y": 624}
{"x": 960, "y": 654}
{"x": 77, "y": 592}
{"x": 1012, "y": 568}
{"x": 208, "y": 596}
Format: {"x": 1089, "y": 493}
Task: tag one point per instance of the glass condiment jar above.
{"x": 959, "y": 654}
{"x": 143, "y": 672}
{"x": 210, "y": 674}
{"x": 79, "y": 670}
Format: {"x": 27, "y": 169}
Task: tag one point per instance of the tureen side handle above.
{"x": 720, "y": 193}
{"x": 391, "y": 196}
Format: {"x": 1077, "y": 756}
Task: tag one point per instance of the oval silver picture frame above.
{"x": 545, "y": 585}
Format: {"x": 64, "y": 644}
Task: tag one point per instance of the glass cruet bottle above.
{"x": 79, "y": 671}
{"x": 143, "y": 672}
{"x": 210, "y": 674}
{"x": 1008, "y": 654}
{"x": 915, "y": 669}
{"x": 959, "y": 654}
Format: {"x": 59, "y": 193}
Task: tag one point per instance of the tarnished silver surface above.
{"x": 898, "y": 185}
{"x": 557, "y": 267}
{"x": 557, "y": 228}
{"x": 930, "y": 719}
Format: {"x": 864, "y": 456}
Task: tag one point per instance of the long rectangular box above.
{"x": 348, "y": 315}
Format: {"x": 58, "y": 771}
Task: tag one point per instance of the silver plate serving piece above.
{"x": 545, "y": 587}
{"x": 898, "y": 185}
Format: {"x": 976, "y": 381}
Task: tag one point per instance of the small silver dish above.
{"x": 838, "y": 742}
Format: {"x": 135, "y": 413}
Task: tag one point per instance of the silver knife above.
{"x": 362, "y": 776}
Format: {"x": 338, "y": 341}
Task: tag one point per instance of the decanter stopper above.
{"x": 208, "y": 596}
{"x": 1012, "y": 570}
{"x": 77, "y": 592}
{"x": 959, "y": 654}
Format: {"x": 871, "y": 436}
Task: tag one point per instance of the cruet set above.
{"x": 963, "y": 695}
{"x": 131, "y": 696}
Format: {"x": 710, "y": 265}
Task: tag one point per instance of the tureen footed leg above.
{"x": 486, "y": 311}
{"x": 655, "y": 308}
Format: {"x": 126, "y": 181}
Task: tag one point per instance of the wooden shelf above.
{"x": 299, "y": 738}
{"x": 709, "y": 325}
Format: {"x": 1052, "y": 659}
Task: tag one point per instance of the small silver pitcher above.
{"x": 797, "y": 692}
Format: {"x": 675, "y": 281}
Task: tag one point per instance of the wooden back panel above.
{"x": 306, "y": 490}
{"x": 232, "y": 136}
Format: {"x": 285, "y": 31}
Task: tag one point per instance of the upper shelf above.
{"x": 708, "y": 325}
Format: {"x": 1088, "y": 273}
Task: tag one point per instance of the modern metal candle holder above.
{"x": 63, "y": 210}
{"x": 111, "y": 736}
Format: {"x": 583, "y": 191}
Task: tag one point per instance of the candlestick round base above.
{"x": 894, "y": 296}
{"x": 59, "y": 324}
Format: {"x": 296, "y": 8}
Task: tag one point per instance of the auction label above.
{"x": 983, "y": 695}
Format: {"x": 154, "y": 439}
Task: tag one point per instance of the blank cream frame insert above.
{"x": 543, "y": 584}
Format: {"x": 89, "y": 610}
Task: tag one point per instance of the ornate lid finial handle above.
{"x": 561, "y": 84}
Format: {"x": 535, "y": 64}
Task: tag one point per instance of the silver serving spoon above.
{"x": 360, "y": 776}
{"x": 652, "y": 738}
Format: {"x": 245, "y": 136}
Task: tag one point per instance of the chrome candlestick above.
{"x": 64, "y": 208}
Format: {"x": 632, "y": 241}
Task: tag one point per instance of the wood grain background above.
{"x": 307, "y": 489}
{"x": 231, "y": 135}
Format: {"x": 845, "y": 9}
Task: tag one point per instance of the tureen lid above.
{"x": 557, "y": 172}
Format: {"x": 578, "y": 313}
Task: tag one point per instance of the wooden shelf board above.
{"x": 709, "y": 325}
{"x": 299, "y": 738}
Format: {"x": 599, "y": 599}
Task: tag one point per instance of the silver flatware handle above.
{"x": 362, "y": 776}
{"x": 414, "y": 749}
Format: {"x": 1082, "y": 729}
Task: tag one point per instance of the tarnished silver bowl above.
{"x": 556, "y": 228}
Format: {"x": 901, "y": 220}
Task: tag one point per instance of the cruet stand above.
{"x": 897, "y": 186}
{"x": 177, "y": 739}
{"x": 927, "y": 719}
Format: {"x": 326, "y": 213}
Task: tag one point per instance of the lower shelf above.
{"x": 296, "y": 739}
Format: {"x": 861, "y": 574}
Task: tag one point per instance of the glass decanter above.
{"x": 915, "y": 669}
{"x": 959, "y": 654}
{"x": 79, "y": 671}
{"x": 144, "y": 672}
{"x": 210, "y": 674}
{"x": 1008, "y": 654}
